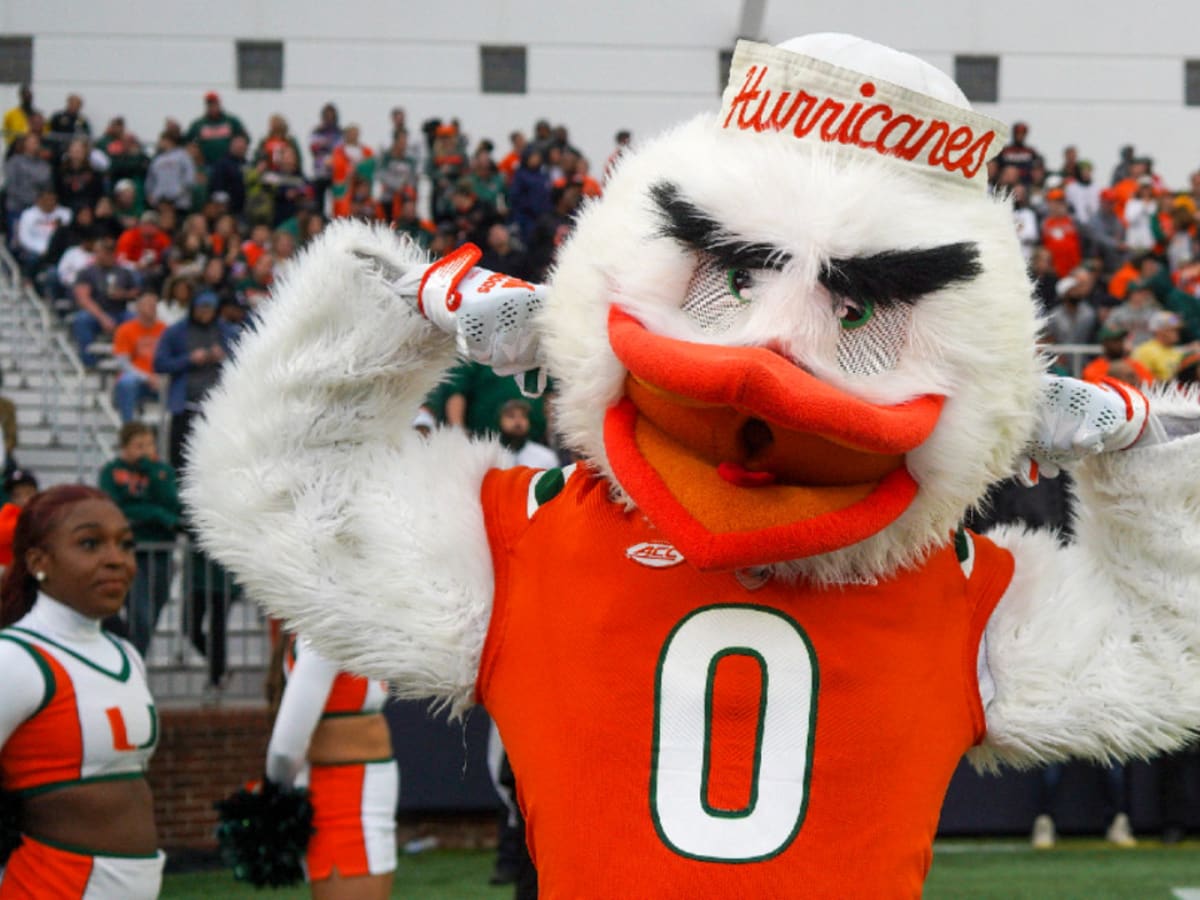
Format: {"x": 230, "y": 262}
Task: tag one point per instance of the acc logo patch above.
{"x": 655, "y": 554}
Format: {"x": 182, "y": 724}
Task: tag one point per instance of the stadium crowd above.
{"x": 159, "y": 252}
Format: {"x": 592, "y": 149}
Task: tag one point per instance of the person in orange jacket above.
{"x": 343, "y": 163}
{"x": 18, "y": 487}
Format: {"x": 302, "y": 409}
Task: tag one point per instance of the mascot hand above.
{"x": 488, "y": 312}
{"x": 1077, "y": 419}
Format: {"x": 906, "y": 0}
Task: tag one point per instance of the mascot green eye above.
{"x": 855, "y": 313}
{"x": 740, "y": 281}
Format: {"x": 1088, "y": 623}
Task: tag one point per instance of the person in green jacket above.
{"x": 214, "y": 130}
{"x": 146, "y": 491}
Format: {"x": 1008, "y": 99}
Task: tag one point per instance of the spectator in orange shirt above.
{"x": 345, "y": 159}
{"x": 19, "y": 487}
{"x": 271, "y": 148}
{"x": 508, "y": 165}
{"x": 134, "y": 343}
{"x": 1060, "y": 234}
{"x": 1109, "y": 365}
{"x": 143, "y": 246}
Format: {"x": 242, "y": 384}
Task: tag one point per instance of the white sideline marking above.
{"x": 1186, "y": 893}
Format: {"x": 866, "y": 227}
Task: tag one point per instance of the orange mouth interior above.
{"x": 685, "y": 443}
{"x": 742, "y": 458}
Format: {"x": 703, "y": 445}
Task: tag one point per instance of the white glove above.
{"x": 489, "y": 313}
{"x": 1077, "y": 420}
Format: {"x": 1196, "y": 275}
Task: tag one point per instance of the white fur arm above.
{"x": 1094, "y": 650}
{"x": 307, "y": 481}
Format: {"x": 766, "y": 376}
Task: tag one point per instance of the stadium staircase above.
{"x": 68, "y": 431}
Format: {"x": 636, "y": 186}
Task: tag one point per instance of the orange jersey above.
{"x": 721, "y": 734}
{"x": 350, "y": 695}
{"x": 135, "y": 340}
{"x": 1061, "y": 238}
{"x": 1097, "y": 370}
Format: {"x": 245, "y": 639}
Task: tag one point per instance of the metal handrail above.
{"x": 46, "y": 341}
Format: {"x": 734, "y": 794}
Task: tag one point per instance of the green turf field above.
{"x": 971, "y": 870}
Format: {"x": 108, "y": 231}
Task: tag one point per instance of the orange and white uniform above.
{"x": 75, "y": 709}
{"x": 761, "y": 739}
{"x": 354, "y": 802}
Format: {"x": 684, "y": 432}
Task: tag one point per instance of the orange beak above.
{"x": 742, "y": 458}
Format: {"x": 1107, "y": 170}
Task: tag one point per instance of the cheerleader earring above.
{"x": 40, "y": 576}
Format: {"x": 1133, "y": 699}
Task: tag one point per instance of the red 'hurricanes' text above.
{"x": 886, "y": 132}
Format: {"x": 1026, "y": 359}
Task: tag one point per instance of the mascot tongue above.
{"x": 702, "y": 424}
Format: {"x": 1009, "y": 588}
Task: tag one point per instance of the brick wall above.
{"x": 203, "y": 755}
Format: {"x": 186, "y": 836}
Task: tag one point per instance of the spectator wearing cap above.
{"x": 1162, "y": 354}
{"x": 1114, "y": 342}
{"x": 172, "y": 174}
{"x": 102, "y": 294}
{"x": 1018, "y": 153}
{"x": 1177, "y": 231}
{"x": 1074, "y": 320}
{"x": 19, "y": 487}
{"x": 143, "y": 247}
{"x": 1061, "y": 234}
{"x": 1106, "y": 233}
{"x": 191, "y": 352}
{"x": 36, "y": 227}
{"x": 446, "y": 165}
{"x": 1083, "y": 193}
{"x": 214, "y": 130}
{"x": 134, "y": 343}
{"x": 1133, "y": 315}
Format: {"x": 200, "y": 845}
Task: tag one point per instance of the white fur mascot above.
{"x": 740, "y": 647}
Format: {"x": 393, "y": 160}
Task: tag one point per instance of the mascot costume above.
{"x": 739, "y": 648}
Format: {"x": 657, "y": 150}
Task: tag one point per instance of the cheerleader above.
{"x": 331, "y": 736}
{"x": 77, "y": 722}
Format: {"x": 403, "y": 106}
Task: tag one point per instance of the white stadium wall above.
{"x": 1095, "y": 75}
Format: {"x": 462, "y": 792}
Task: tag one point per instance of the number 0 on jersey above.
{"x": 735, "y": 715}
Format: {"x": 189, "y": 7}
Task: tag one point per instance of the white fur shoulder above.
{"x": 1094, "y": 650}
{"x": 307, "y": 481}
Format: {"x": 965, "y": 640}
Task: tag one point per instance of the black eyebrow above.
{"x": 902, "y": 276}
{"x": 685, "y": 222}
{"x": 893, "y": 276}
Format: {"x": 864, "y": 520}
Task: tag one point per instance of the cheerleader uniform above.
{"x": 354, "y": 801}
{"x": 75, "y": 709}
